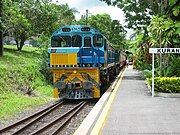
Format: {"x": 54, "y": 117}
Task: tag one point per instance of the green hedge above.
{"x": 166, "y": 84}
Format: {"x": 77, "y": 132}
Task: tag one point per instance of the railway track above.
{"x": 49, "y": 121}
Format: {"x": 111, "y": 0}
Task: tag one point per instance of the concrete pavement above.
{"x": 134, "y": 111}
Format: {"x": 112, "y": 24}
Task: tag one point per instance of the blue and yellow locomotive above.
{"x": 82, "y": 62}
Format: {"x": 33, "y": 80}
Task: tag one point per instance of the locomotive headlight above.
{"x": 60, "y": 85}
{"x": 100, "y": 65}
{"x": 87, "y": 85}
{"x": 56, "y": 75}
{"x": 74, "y": 71}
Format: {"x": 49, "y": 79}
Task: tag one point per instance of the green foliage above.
{"x": 138, "y": 13}
{"x": 21, "y": 70}
{"x": 112, "y": 29}
{"x": 21, "y": 83}
{"x": 166, "y": 71}
{"x": 146, "y": 74}
{"x": 139, "y": 47}
{"x": 16, "y": 22}
{"x": 162, "y": 17}
{"x": 175, "y": 67}
{"x": 166, "y": 84}
{"x": 25, "y": 19}
{"x": 101, "y": 23}
{"x": 43, "y": 44}
{"x": 11, "y": 102}
{"x": 165, "y": 33}
{"x": 173, "y": 9}
{"x": 166, "y": 29}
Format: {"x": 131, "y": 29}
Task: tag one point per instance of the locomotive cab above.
{"x": 79, "y": 57}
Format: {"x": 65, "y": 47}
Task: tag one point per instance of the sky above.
{"x": 94, "y": 7}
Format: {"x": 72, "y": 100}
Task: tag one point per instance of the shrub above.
{"x": 43, "y": 44}
{"x": 166, "y": 84}
{"x": 175, "y": 67}
{"x": 146, "y": 74}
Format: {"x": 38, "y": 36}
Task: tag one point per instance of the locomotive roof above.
{"x": 65, "y": 30}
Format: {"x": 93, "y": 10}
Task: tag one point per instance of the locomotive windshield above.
{"x": 76, "y": 41}
{"x": 61, "y": 41}
{"x": 98, "y": 40}
{"x": 66, "y": 41}
{"x": 87, "y": 42}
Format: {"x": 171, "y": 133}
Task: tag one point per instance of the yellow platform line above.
{"x": 105, "y": 113}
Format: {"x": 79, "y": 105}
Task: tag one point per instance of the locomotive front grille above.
{"x": 63, "y": 59}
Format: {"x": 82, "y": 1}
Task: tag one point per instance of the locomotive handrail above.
{"x": 98, "y": 58}
{"x": 92, "y": 54}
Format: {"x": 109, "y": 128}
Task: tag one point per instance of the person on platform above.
{"x": 127, "y": 63}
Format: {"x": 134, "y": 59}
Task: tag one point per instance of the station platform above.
{"x": 131, "y": 110}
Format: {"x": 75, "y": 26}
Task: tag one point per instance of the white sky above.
{"x": 94, "y": 7}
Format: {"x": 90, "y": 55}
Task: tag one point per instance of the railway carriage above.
{"x": 82, "y": 62}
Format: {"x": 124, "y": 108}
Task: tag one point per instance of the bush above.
{"x": 166, "y": 84}
{"x": 146, "y": 74}
{"x": 175, "y": 67}
{"x": 43, "y": 44}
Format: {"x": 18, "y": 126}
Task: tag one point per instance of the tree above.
{"x": 139, "y": 12}
{"x": 117, "y": 35}
{"x": 112, "y": 29}
{"x": 16, "y": 23}
{"x": 136, "y": 12}
{"x": 42, "y": 17}
{"x": 1, "y": 34}
{"x": 66, "y": 14}
{"x": 27, "y": 18}
{"x": 101, "y": 22}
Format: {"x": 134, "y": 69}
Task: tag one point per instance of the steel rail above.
{"x": 68, "y": 119}
{"x": 39, "y": 117}
{"x": 27, "y": 118}
{"x": 77, "y": 107}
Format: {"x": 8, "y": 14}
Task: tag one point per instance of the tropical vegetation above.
{"x": 30, "y": 18}
{"x": 112, "y": 29}
{"x": 156, "y": 25}
{"x": 25, "y": 77}
{"x": 22, "y": 85}
{"x": 166, "y": 84}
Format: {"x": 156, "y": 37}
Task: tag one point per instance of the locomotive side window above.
{"x": 76, "y": 41}
{"x": 98, "y": 40}
{"x": 87, "y": 42}
{"x": 61, "y": 41}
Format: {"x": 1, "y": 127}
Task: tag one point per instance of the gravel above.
{"x": 69, "y": 129}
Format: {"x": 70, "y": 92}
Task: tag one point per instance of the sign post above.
{"x": 153, "y": 75}
{"x": 160, "y": 51}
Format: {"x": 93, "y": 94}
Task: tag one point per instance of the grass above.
{"x": 12, "y": 103}
{"x": 21, "y": 83}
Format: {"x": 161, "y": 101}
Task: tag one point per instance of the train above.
{"x": 82, "y": 62}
